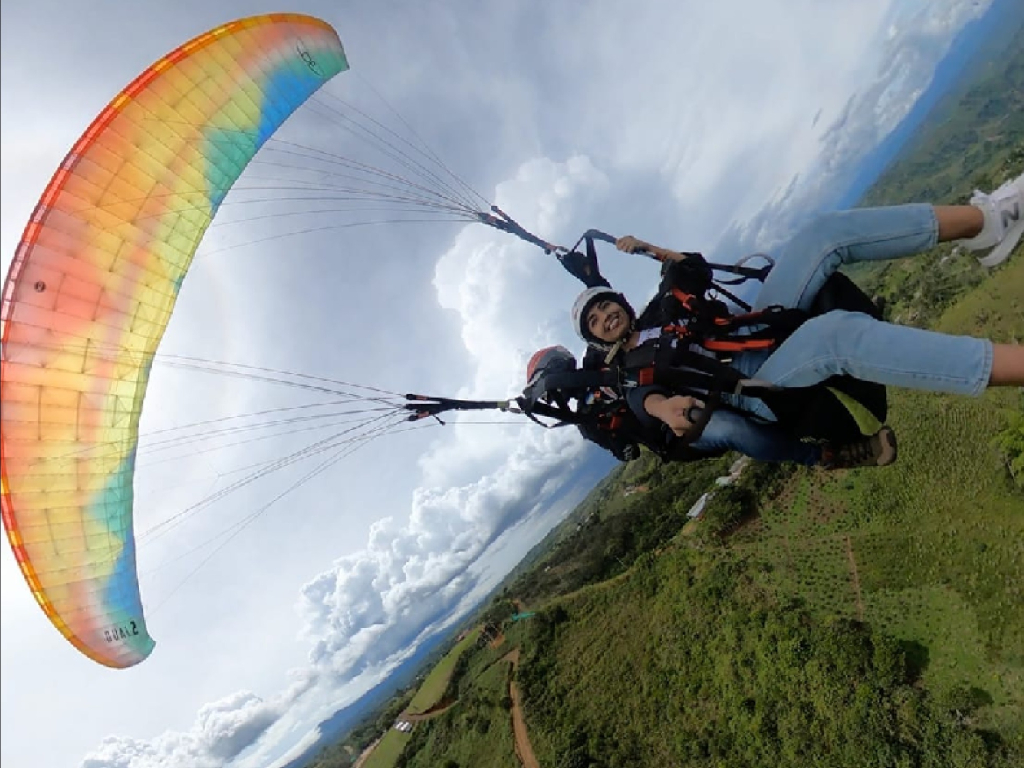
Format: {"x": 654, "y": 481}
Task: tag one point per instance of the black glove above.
{"x": 583, "y": 268}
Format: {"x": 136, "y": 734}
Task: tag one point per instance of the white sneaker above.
{"x": 1004, "y": 221}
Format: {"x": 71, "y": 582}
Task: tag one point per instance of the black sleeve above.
{"x": 583, "y": 267}
{"x": 691, "y": 275}
{"x": 620, "y": 447}
{"x": 635, "y": 397}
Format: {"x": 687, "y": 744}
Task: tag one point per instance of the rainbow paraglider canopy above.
{"x": 91, "y": 290}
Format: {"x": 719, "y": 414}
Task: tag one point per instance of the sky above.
{"x": 716, "y": 127}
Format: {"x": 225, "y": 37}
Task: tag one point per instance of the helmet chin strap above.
{"x": 615, "y": 348}
{"x": 612, "y": 348}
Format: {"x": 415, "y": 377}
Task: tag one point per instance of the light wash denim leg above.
{"x": 854, "y": 343}
{"x": 845, "y": 237}
{"x": 763, "y": 442}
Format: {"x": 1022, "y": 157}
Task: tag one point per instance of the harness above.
{"x": 602, "y": 413}
{"x": 839, "y": 409}
{"x": 824, "y": 412}
{"x": 692, "y": 355}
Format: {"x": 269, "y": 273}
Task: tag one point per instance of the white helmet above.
{"x": 585, "y": 301}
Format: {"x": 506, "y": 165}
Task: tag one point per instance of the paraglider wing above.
{"x": 91, "y": 290}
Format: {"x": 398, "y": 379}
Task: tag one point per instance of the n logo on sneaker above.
{"x": 1010, "y": 216}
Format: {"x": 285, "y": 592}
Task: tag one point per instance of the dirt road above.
{"x": 523, "y": 748}
{"x": 856, "y": 578}
{"x": 438, "y": 709}
{"x": 366, "y": 754}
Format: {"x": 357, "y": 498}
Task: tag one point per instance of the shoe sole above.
{"x": 1009, "y": 242}
{"x": 888, "y": 438}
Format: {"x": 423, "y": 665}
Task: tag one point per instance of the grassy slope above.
{"x": 430, "y": 692}
{"x": 690, "y": 661}
{"x": 477, "y": 729}
{"x": 476, "y": 732}
{"x": 937, "y": 543}
{"x": 386, "y": 754}
{"x": 433, "y": 687}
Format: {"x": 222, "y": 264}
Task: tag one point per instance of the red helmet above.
{"x": 549, "y": 360}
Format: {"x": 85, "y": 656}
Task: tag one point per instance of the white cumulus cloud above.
{"x": 222, "y": 731}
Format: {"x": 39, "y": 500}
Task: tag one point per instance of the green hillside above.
{"x": 869, "y": 617}
{"x": 431, "y": 692}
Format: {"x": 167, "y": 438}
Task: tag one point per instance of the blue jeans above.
{"x": 726, "y": 430}
{"x": 849, "y": 342}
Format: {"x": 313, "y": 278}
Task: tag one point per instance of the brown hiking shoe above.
{"x": 878, "y": 450}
